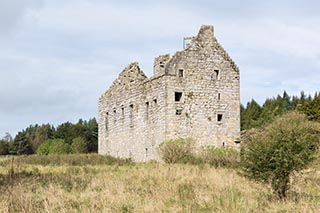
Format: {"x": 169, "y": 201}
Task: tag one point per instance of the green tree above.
{"x": 21, "y": 145}
{"x": 79, "y": 145}
{"x": 286, "y": 145}
{"x": 4, "y": 147}
{"x": 59, "y": 147}
{"x": 251, "y": 115}
{"x": 41, "y": 134}
{"x": 53, "y": 146}
{"x": 44, "y": 148}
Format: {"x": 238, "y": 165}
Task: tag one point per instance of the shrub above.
{"x": 220, "y": 156}
{"x": 44, "y": 148}
{"x": 286, "y": 145}
{"x": 4, "y": 147}
{"x": 53, "y": 146}
{"x": 177, "y": 150}
{"x": 59, "y": 147}
{"x": 79, "y": 145}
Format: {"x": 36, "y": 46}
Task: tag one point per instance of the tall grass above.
{"x": 182, "y": 151}
{"x": 72, "y": 159}
{"x": 143, "y": 187}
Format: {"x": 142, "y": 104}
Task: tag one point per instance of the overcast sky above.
{"x": 57, "y": 57}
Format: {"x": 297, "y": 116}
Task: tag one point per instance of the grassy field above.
{"x": 93, "y": 183}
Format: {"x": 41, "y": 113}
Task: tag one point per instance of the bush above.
{"x": 4, "y": 148}
{"x": 59, "y": 147}
{"x": 177, "y": 150}
{"x": 220, "y": 156}
{"x": 53, "y": 146}
{"x": 79, "y": 145}
{"x": 272, "y": 153}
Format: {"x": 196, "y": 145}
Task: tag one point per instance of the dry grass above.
{"x": 150, "y": 187}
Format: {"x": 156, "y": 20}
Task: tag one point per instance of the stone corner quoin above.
{"x": 195, "y": 93}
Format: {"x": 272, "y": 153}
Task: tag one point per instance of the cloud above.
{"x": 12, "y": 12}
{"x": 61, "y": 55}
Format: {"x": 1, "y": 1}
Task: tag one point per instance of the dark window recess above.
{"x": 114, "y": 115}
{"x": 219, "y": 117}
{"x": 155, "y": 101}
{"x": 161, "y": 64}
{"x": 122, "y": 112}
{"x": 178, "y": 111}
{"x": 219, "y": 96}
{"x": 131, "y": 114}
{"x": 177, "y": 96}
{"x": 223, "y": 144}
{"x": 147, "y": 110}
{"x": 107, "y": 121}
{"x": 216, "y": 75}
{"x": 181, "y": 74}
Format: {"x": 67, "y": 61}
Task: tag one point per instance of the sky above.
{"x": 58, "y": 57}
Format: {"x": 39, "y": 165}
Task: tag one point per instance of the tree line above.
{"x": 254, "y": 116}
{"x": 81, "y": 137}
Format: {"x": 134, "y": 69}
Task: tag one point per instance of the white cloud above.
{"x": 12, "y": 12}
{"x": 61, "y": 55}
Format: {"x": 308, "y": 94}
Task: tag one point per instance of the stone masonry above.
{"x": 195, "y": 93}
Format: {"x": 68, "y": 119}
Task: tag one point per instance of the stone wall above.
{"x": 193, "y": 94}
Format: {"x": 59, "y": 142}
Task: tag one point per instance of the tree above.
{"x": 251, "y": 115}
{"x": 4, "y": 147}
{"x": 42, "y": 133}
{"x": 272, "y": 153}
{"x": 21, "y": 145}
{"x": 59, "y": 147}
{"x": 79, "y": 145}
{"x": 53, "y": 146}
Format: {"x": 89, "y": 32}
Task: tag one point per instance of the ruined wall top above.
{"x": 205, "y": 36}
{"x": 131, "y": 76}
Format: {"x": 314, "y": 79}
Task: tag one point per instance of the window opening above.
{"x": 219, "y": 96}
{"x": 219, "y": 117}
{"x": 217, "y": 76}
{"x": 107, "y": 121}
{"x": 114, "y": 115}
{"x": 155, "y": 101}
{"x": 122, "y": 112}
{"x": 131, "y": 114}
{"x": 181, "y": 73}
{"x": 177, "y": 96}
{"x": 147, "y": 110}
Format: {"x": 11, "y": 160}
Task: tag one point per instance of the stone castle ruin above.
{"x": 195, "y": 93}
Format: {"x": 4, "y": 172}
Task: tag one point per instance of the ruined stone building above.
{"x": 195, "y": 93}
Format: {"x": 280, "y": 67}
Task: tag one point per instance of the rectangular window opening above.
{"x": 107, "y": 121}
{"x": 219, "y": 117}
{"x": 178, "y": 111}
{"x": 216, "y": 75}
{"x": 122, "y": 112}
{"x": 181, "y": 73}
{"x": 147, "y": 110}
{"x": 219, "y": 96}
{"x": 131, "y": 114}
{"x": 177, "y": 96}
{"x": 114, "y": 115}
{"x": 155, "y": 101}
